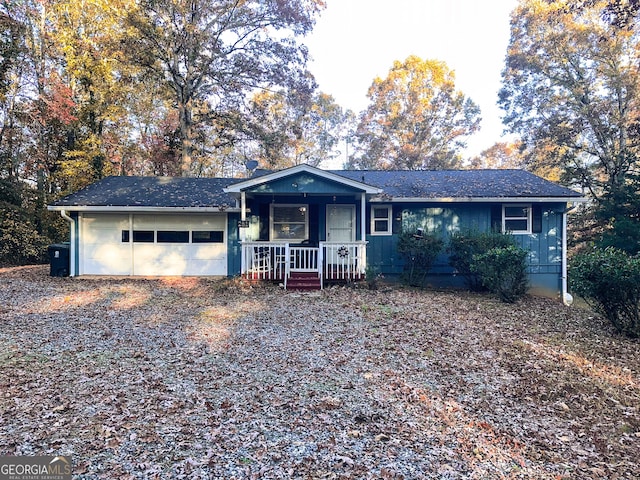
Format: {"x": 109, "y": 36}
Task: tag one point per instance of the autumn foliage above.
{"x": 416, "y": 120}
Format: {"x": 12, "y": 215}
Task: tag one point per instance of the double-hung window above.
{"x": 381, "y": 219}
{"x": 289, "y": 222}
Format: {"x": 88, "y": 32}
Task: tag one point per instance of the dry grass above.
{"x": 189, "y": 378}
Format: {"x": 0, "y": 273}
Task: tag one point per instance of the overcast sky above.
{"x": 356, "y": 40}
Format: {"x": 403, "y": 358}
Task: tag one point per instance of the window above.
{"x": 516, "y": 218}
{"x": 173, "y": 236}
{"x": 211, "y": 236}
{"x": 289, "y": 222}
{"x": 381, "y": 219}
{"x": 143, "y": 236}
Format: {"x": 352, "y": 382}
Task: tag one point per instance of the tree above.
{"x": 12, "y": 50}
{"x": 161, "y": 148}
{"x": 102, "y": 81}
{"x": 211, "y": 53}
{"x": 416, "y": 119}
{"x": 570, "y": 89}
{"x": 619, "y": 214}
{"x": 619, "y": 13}
{"x": 293, "y": 127}
{"x": 499, "y": 155}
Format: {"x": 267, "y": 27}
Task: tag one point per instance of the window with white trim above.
{"x": 289, "y": 222}
{"x": 516, "y": 219}
{"x": 381, "y": 219}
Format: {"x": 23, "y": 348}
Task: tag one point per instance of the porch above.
{"x": 297, "y": 264}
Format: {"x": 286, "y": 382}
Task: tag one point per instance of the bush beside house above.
{"x": 419, "y": 252}
{"x": 488, "y": 261}
{"x": 503, "y": 270}
{"x": 609, "y": 281}
{"x": 464, "y": 246}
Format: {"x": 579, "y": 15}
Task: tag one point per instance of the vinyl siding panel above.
{"x": 545, "y": 247}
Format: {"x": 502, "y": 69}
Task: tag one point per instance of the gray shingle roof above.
{"x": 152, "y": 192}
{"x": 188, "y": 192}
{"x": 459, "y": 183}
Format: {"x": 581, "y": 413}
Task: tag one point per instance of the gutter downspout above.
{"x": 567, "y": 298}
{"x": 72, "y": 242}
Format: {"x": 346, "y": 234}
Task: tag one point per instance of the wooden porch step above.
{"x": 303, "y": 281}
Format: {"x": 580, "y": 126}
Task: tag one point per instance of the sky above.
{"x": 355, "y": 41}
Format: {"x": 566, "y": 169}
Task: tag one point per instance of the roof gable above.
{"x": 303, "y": 182}
{"x": 302, "y": 179}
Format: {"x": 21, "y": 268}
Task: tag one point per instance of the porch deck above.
{"x": 284, "y": 262}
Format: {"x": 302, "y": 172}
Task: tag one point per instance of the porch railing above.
{"x": 343, "y": 261}
{"x": 264, "y": 260}
{"x": 304, "y": 259}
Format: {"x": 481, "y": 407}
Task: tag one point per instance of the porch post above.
{"x": 363, "y": 217}
{"x": 243, "y": 233}
{"x": 363, "y": 230}
{"x": 243, "y": 214}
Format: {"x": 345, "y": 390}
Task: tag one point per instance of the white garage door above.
{"x": 153, "y": 244}
{"x": 102, "y": 251}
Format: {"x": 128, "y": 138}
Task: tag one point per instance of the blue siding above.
{"x": 447, "y": 220}
{"x": 260, "y": 207}
{"x": 545, "y": 258}
{"x": 302, "y": 183}
{"x": 382, "y": 254}
{"x": 234, "y": 255}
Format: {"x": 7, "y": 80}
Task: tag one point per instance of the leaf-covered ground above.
{"x": 193, "y": 378}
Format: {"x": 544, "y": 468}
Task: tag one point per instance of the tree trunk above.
{"x": 186, "y": 142}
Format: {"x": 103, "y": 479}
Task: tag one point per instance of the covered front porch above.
{"x": 303, "y": 224}
{"x": 283, "y": 261}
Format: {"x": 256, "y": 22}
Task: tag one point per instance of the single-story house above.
{"x": 283, "y": 225}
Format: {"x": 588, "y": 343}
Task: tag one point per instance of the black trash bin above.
{"x": 59, "y": 260}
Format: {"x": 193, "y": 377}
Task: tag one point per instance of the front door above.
{"x": 341, "y": 220}
{"x": 340, "y": 223}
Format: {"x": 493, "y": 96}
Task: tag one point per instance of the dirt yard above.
{"x": 193, "y": 378}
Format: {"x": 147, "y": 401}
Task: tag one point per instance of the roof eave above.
{"x": 479, "y": 200}
{"x": 139, "y": 209}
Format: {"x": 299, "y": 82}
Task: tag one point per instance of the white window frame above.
{"x": 389, "y": 219}
{"x": 528, "y": 218}
{"x": 272, "y": 223}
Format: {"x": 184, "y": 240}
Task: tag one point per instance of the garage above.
{"x": 153, "y": 244}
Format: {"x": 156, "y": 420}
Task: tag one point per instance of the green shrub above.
{"x": 623, "y": 235}
{"x": 373, "y": 277}
{"x": 419, "y": 252}
{"x": 503, "y": 270}
{"x": 20, "y": 243}
{"x": 609, "y": 281}
{"x": 464, "y": 246}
